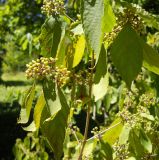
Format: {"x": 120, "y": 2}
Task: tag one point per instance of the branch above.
{"x": 88, "y": 109}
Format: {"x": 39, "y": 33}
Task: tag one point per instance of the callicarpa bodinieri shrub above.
{"x": 96, "y": 59}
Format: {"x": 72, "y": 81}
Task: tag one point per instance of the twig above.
{"x": 69, "y": 17}
{"x": 88, "y": 110}
{"x": 74, "y": 133}
{"x": 102, "y": 132}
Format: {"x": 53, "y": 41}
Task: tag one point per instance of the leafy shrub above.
{"x": 97, "y": 63}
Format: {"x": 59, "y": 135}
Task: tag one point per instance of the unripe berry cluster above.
{"x": 121, "y": 151}
{"x": 53, "y": 7}
{"x": 45, "y": 67}
{"x": 109, "y": 37}
{"x": 82, "y": 77}
{"x": 40, "y": 68}
{"x": 61, "y": 75}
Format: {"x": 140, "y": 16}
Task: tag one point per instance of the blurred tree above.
{"x": 20, "y": 23}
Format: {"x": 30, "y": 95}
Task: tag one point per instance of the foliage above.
{"x": 74, "y": 81}
{"x": 16, "y": 40}
{"x": 32, "y": 147}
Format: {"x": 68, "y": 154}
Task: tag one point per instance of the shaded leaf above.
{"x": 51, "y": 97}
{"x": 27, "y": 105}
{"x": 135, "y": 145}
{"x": 51, "y": 35}
{"x": 145, "y": 141}
{"x": 54, "y": 129}
{"x": 127, "y": 54}
{"x": 106, "y": 150}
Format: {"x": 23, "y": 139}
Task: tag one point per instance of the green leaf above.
{"x": 89, "y": 147}
{"x": 30, "y": 128}
{"x": 150, "y": 59}
{"x": 62, "y": 50}
{"x": 38, "y": 110}
{"x": 55, "y": 128}
{"x": 97, "y": 18}
{"x": 101, "y": 79}
{"x": 145, "y": 141}
{"x": 127, "y": 54}
{"x": 78, "y": 30}
{"x": 147, "y": 116}
{"x": 124, "y": 136}
{"x": 109, "y": 17}
{"x": 131, "y": 158}
{"x": 51, "y": 97}
{"x": 106, "y": 150}
{"x": 51, "y": 35}
{"x": 92, "y": 15}
{"x": 113, "y": 133}
{"x": 79, "y": 50}
{"x": 135, "y": 145}
{"x": 27, "y": 105}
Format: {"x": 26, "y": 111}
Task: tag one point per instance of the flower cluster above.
{"x": 136, "y": 111}
{"x": 53, "y": 7}
{"x": 127, "y": 16}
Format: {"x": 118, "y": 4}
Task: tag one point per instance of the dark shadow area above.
{"x": 81, "y": 121}
{"x": 9, "y": 129}
{"x": 14, "y": 83}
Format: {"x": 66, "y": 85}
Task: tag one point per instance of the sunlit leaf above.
{"x": 30, "y": 128}
{"x": 109, "y": 20}
{"x": 62, "y": 50}
{"x": 124, "y": 136}
{"x": 97, "y": 18}
{"x": 89, "y": 147}
{"x": 79, "y": 50}
{"x": 38, "y": 110}
{"x": 101, "y": 79}
{"x": 113, "y": 133}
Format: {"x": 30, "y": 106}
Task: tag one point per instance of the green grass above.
{"x": 13, "y": 86}
{"x": 19, "y": 76}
